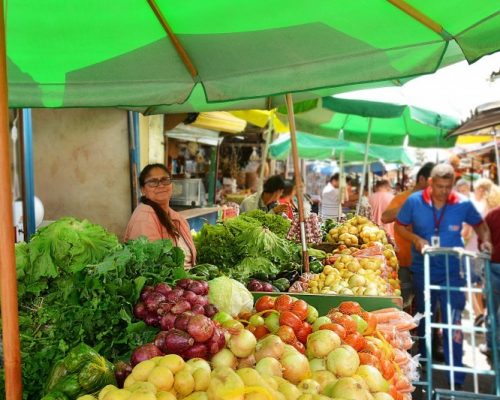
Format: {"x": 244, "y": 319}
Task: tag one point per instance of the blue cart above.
{"x": 470, "y": 265}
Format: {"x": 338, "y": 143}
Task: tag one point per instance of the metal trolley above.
{"x": 466, "y": 264}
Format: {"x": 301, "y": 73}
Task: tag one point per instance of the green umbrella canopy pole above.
{"x": 8, "y": 281}
{"x": 365, "y": 165}
{"x": 298, "y": 181}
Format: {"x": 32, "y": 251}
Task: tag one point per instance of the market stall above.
{"x": 159, "y": 324}
{"x": 108, "y": 62}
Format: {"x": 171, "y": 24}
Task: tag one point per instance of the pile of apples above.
{"x": 341, "y": 357}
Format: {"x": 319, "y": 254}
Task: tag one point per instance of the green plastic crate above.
{"x": 324, "y": 302}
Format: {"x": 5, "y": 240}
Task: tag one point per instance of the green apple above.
{"x": 312, "y": 314}
{"x": 361, "y": 324}
{"x": 321, "y": 321}
{"x": 272, "y": 322}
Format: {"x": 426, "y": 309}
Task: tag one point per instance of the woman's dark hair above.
{"x": 288, "y": 190}
{"x": 159, "y": 211}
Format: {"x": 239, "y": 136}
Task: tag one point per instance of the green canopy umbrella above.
{"x": 144, "y": 54}
{"x": 391, "y": 124}
{"x": 312, "y": 147}
{"x": 376, "y": 122}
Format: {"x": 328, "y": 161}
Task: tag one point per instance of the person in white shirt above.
{"x": 330, "y": 198}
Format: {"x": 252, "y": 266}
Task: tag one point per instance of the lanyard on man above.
{"x": 435, "y": 241}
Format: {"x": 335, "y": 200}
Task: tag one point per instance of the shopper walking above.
{"x": 379, "y": 201}
{"x": 493, "y": 221}
{"x": 436, "y": 215}
{"x": 330, "y": 198}
{"x": 478, "y": 197}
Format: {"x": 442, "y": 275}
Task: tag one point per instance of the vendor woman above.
{"x": 153, "y": 217}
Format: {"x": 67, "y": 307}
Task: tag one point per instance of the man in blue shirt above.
{"x": 436, "y": 215}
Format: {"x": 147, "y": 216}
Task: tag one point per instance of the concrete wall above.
{"x": 81, "y": 164}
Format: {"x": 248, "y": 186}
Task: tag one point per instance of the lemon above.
{"x": 162, "y": 378}
{"x": 142, "y": 370}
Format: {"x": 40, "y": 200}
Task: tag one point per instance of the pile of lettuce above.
{"x": 250, "y": 245}
{"x": 78, "y": 284}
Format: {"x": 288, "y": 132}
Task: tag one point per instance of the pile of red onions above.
{"x": 183, "y": 313}
{"x": 160, "y": 305}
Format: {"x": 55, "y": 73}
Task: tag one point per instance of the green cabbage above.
{"x": 67, "y": 246}
{"x": 229, "y": 295}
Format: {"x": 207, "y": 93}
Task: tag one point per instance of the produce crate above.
{"x": 325, "y": 246}
{"x": 324, "y": 302}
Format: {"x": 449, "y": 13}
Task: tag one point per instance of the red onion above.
{"x": 210, "y": 310}
{"x": 167, "y": 322}
{"x": 198, "y": 350}
{"x": 190, "y": 296}
{"x": 177, "y": 342}
{"x": 145, "y": 291}
{"x": 153, "y": 300}
{"x": 198, "y": 309}
{"x": 197, "y": 287}
{"x": 145, "y": 352}
{"x": 174, "y": 295}
{"x": 201, "y": 300}
{"x": 180, "y": 307}
{"x": 160, "y": 341}
{"x": 163, "y": 288}
{"x": 164, "y": 309}
{"x": 152, "y": 319}
{"x": 182, "y": 320}
{"x": 140, "y": 311}
{"x": 200, "y": 328}
{"x": 184, "y": 283}
{"x": 217, "y": 342}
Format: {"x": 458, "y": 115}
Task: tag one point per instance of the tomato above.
{"x": 350, "y": 307}
{"x": 283, "y": 303}
{"x": 260, "y": 331}
{"x": 299, "y": 308}
{"x": 355, "y": 340}
{"x": 264, "y": 303}
{"x": 290, "y": 319}
{"x": 346, "y": 321}
{"x": 251, "y": 328}
{"x": 368, "y": 359}
{"x": 286, "y": 334}
{"x": 304, "y": 332}
{"x": 299, "y": 346}
{"x": 387, "y": 369}
{"x": 338, "y": 329}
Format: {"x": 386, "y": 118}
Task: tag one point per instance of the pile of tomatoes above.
{"x": 289, "y": 318}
